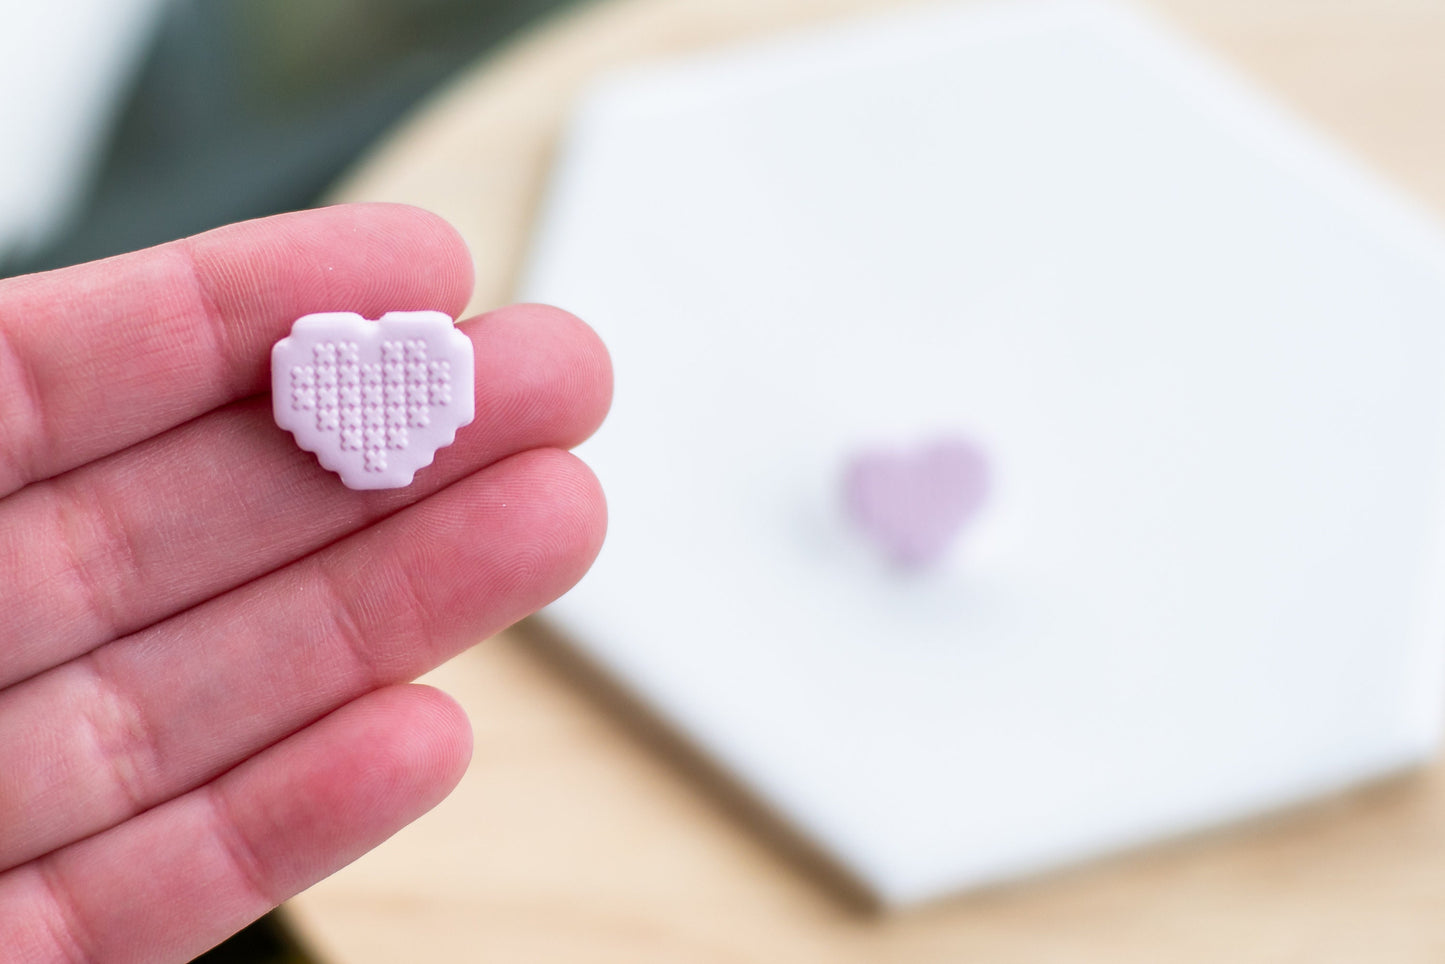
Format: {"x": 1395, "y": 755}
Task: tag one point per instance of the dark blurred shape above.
{"x": 265, "y": 942}
{"x": 249, "y": 107}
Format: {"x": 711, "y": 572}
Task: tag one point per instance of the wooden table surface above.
{"x": 580, "y": 836}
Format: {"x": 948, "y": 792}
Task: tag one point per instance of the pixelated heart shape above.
{"x": 373, "y": 400}
{"x": 913, "y": 504}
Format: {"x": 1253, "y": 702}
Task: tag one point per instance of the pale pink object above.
{"x": 914, "y": 504}
{"x": 374, "y": 400}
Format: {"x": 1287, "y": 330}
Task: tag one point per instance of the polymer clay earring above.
{"x": 913, "y": 504}
{"x": 373, "y": 400}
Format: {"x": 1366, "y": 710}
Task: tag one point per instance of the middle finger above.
{"x": 122, "y": 543}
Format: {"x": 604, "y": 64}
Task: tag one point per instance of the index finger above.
{"x": 100, "y": 356}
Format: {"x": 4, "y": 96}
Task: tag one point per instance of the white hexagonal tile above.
{"x": 1205, "y": 356}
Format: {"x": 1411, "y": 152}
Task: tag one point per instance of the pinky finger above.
{"x": 178, "y": 879}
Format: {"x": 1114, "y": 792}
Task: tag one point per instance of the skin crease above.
{"x": 205, "y": 639}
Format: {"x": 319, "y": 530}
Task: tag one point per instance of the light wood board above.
{"x": 579, "y": 836}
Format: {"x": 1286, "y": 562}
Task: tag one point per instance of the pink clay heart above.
{"x": 913, "y": 504}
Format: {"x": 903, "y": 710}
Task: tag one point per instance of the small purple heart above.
{"x": 913, "y": 504}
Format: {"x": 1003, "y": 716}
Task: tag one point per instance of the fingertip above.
{"x": 421, "y": 241}
{"x": 558, "y": 377}
{"x": 443, "y": 733}
{"x": 412, "y": 743}
{"x": 435, "y": 243}
{"x": 369, "y": 258}
{"x": 534, "y": 523}
{"x": 577, "y": 523}
{"x": 594, "y": 368}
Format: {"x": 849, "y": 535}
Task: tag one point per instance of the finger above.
{"x": 138, "y": 721}
{"x": 123, "y": 542}
{"x": 180, "y": 878}
{"x": 100, "y": 356}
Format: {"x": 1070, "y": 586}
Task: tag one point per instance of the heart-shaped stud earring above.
{"x": 373, "y": 400}
{"x": 913, "y": 504}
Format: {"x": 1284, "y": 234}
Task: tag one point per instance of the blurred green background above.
{"x": 249, "y": 107}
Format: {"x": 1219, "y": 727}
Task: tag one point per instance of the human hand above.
{"x": 205, "y": 637}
